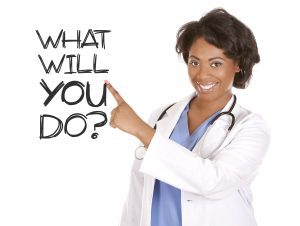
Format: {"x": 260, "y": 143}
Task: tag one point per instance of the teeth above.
{"x": 207, "y": 86}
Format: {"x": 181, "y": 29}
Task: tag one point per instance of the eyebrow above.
{"x": 210, "y": 59}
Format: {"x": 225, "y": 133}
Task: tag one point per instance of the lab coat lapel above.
{"x": 166, "y": 125}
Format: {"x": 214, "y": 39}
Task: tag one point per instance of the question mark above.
{"x": 95, "y": 134}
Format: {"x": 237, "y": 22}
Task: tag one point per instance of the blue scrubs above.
{"x": 166, "y": 202}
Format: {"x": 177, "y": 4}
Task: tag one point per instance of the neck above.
{"x": 210, "y": 105}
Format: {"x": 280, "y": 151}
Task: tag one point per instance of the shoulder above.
{"x": 247, "y": 117}
{"x": 156, "y": 113}
{"x": 250, "y": 122}
{"x": 249, "y": 137}
{"x": 178, "y": 107}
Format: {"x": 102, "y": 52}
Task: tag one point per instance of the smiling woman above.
{"x": 228, "y": 34}
{"x": 210, "y": 70}
{"x": 206, "y": 150}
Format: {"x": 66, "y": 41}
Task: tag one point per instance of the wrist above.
{"x": 145, "y": 133}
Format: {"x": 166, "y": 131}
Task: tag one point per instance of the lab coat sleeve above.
{"x": 234, "y": 166}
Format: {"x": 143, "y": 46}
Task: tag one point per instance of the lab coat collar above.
{"x": 167, "y": 123}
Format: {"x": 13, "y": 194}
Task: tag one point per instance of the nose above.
{"x": 202, "y": 72}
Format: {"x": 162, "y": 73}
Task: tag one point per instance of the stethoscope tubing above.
{"x": 229, "y": 112}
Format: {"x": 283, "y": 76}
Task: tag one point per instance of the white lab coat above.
{"x": 214, "y": 177}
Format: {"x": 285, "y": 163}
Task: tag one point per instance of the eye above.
{"x": 216, "y": 64}
{"x": 194, "y": 63}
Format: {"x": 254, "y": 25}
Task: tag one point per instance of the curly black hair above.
{"x": 226, "y": 32}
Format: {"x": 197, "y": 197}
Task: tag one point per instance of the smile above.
{"x": 208, "y": 87}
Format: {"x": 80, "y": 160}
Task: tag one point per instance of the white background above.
{"x": 80, "y": 181}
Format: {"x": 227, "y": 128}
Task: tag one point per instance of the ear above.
{"x": 237, "y": 68}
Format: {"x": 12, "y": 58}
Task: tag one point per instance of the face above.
{"x": 210, "y": 71}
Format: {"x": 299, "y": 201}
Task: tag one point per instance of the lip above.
{"x": 206, "y": 87}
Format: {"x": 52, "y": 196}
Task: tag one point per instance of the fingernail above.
{"x": 106, "y": 82}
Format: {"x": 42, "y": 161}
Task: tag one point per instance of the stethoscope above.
{"x": 140, "y": 150}
{"x": 229, "y": 112}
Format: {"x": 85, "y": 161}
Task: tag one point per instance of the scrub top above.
{"x": 166, "y": 202}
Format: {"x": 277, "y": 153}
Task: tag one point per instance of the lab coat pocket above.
{"x": 194, "y": 209}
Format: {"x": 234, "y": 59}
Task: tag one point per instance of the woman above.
{"x": 203, "y": 155}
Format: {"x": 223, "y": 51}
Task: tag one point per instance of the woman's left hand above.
{"x": 124, "y": 118}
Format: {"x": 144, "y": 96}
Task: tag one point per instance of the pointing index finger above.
{"x": 114, "y": 92}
